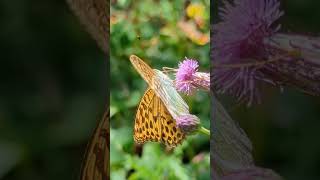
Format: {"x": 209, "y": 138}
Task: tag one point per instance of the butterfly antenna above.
{"x": 168, "y": 70}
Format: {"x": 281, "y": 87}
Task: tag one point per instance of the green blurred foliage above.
{"x": 150, "y": 30}
{"x": 154, "y": 162}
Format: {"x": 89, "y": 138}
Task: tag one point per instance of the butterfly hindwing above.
{"x": 154, "y": 123}
{"x": 96, "y": 163}
{"x": 147, "y": 121}
{"x": 171, "y": 135}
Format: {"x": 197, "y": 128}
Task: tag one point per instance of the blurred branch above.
{"x": 231, "y": 149}
{"x": 94, "y": 15}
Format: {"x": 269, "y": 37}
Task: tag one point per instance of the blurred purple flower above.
{"x": 188, "y": 78}
{"x": 238, "y": 39}
{"x": 248, "y": 51}
{"x": 188, "y": 123}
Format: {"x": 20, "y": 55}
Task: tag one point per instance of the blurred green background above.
{"x": 53, "y": 90}
{"x": 152, "y": 30}
{"x": 284, "y": 129}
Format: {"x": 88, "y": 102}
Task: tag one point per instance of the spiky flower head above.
{"x": 188, "y": 79}
{"x": 238, "y": 39}
{"x": 185, "y": 74}
{"x": 248, "y": 51}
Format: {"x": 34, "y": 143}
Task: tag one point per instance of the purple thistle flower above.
{"x": 248, "y": 51}
{"x": 185, "y": 74}
{"x": 188, "y": 123}
{"x": 188, "y": 78}
{"x": 238, "y": 39}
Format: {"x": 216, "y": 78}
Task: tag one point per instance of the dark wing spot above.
{"x": 163, "y": 135}
{"x": 151, "y": 125}
{"x": 169, "y": 122}
{"x": 155, "y": 118}
{"x": 169, "y": 138}
{"x": 167, "y": 130}
{"x": 144, "y": 106}
{"x": 174, "y": 129}
{"x": 178, "y": 135}
{"x": 147, "y": 125}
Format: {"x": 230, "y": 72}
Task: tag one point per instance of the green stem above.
{"x": 204, "y": 131}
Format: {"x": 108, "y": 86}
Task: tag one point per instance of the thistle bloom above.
{"x": 238, "y": 39}
{"x": 188, "y": 78}
{"x": 188, "y": 123}
{"x": 249, "y": 51}
{"x": 185, "y": 75}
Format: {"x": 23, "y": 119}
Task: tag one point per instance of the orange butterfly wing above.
{"x": 96, "y": 163}
{"x": 153, "y": 122}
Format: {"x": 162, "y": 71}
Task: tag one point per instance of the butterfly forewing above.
{"x": 165, "y": 89}
{"x": 144, "y": 69}
{"x": 154, "y": 123}
{"x": 96, "y": 163}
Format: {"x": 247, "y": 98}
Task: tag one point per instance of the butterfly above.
{"x": 158, "y": 108}
{"x": 96, "y": 162}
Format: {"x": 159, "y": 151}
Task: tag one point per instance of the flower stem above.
{"x": 204, "y": 131}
